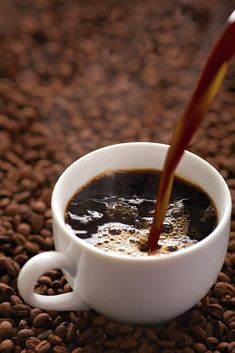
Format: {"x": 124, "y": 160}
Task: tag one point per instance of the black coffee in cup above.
{"x": 114, "y": 212}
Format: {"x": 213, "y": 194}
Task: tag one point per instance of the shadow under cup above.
{"x": 149, "y": 289}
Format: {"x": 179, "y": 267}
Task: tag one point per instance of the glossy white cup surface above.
{"x": 149, "y": 289}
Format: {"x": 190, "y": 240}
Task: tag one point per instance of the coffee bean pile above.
{"x": 77, "y": 75}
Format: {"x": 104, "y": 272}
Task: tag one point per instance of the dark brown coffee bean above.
{"x": 231, "y": 347}
{"x": 22, "y": 196}
{"x": 38, "y": 239}
{"x": 5, "y": 329}
{"x": 34, "y": 312}
{"x": 151, "y": 335}
{"x": 199, "y": 347}
{"x": 166, "y": 344}
{"x": 231, "y": 335}
{"x": 24, "y": 334}
{"x": 223, "y": 277}
{"x": 31, "y": 247}
{"x": 182, "y": 339}
{"x": 100, "y": 320}
{"x": 124, "y": 328}
{"x": 111, "y": 344}
{"x": 70, "y": 332}
{"x": 195, "y": 317}
{"x": 211, "y": 342}
{"x": 61, "y": 331}
{"x": 87, "y": 335}
{"x": 128, "y": 344}
{"x": 23, "y": 324}
{"x": 216, "y": 310}
{"x": 54, "y": 339}
{"x": 4, "y": 202}
{"x": 111, "y": 327}
{"x": 5, "y": 291}
{"x": 77, "y": 350}
{"x": 144, "y": 347}
{"x": 24, "y": 228}
{"x": 41, "y": 334}
{"x": 48, "y": 243}
{"x": 14, "y": 299}
{"x": 222, "y": 347}
{"x": 229, "y": 317}
{"x": 17, "y": 349}
{"x": 223, "y": 288}
{"x": 40, "y": 319}
{"x": 6, "y": 346}
{"x": 45, "y": 280}
{"x": 36, "y": 222}
{"x": 39, "y": 206}
{"x": 21, "y": 310}
{"x": 6, "y": 309}
{"x": 13, "y": 268}
{"x": 198, "y": 332}
{"x": 98, "y": 339}
{"x": 43, "y": 347}
{"x": 60, "y": 349}
{"x": 187, "y": 350}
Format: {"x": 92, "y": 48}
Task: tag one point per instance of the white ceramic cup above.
{"x": 149, "y": 289}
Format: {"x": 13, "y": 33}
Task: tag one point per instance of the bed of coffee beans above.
{"x": 77, "y": 75}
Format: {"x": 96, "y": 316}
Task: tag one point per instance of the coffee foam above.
{"x": 124, "y": 239}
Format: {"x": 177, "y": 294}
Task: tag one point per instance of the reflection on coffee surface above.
{"x": 114, "y": 212}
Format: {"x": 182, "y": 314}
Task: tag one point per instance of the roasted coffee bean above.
{"x": 5, "y": 291}
{"x": 13, "y": 268}
{"x": 20, "y": 310}
{"x": 187, "y": 350}
{"x": 40, "y": 319}
{"x": 216, "y": 310}
{"x": 43, "y": 347}
{"x": 87, "y": 335}
{"x": 24, "y": 228}
{"x": 229, "y": 317}
{"x": 36, "y": 222}
{"x": 42, "y": 334}
{"x": 222, "y": 346}
{"x": 124, "y": 328}
{"x": 24, "y": 334}
{"x": 34, "y": 312}
{"x": 199, "y": 347}
{"x": 6, "y": 346}
{"x": 14, "y": 299}
{"x": 60, "y": 349}
{"x": 198, "y": 332}
{"x": 61, "y": 331}
{"x": 31, "y": 248}
{"x": 231, "y": 335}
{"x": 6, "y": 309}
{"x": 70, "y": 332}
{"x": 100, "y": 320}
{"x": 128, "y": 344}
{"x": 151, "y": 335}
{"x": 54, "y": 339}
{"x": 5, "y": 329}
{"x": 211, "y": 342}
{"x": 111, "y": 344}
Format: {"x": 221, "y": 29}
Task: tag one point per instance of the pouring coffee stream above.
{"x": 207, "y": 86}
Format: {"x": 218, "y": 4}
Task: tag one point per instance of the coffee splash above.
{"x": 208, "y": 85}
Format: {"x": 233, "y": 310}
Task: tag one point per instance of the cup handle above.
{"x": 34, "y": 268}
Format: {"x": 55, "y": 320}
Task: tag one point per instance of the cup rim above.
{"x": 123, "y": 258}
